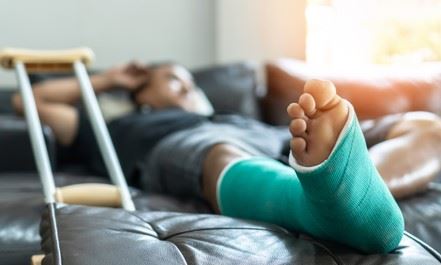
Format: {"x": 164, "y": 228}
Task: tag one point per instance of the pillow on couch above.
{"x": 374, "y": 91}
{"x": 231, "y": 88}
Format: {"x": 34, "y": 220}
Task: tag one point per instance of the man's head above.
{"x": 169, "y": 85}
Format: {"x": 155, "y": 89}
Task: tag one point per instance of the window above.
{"x": 373, "y": 31}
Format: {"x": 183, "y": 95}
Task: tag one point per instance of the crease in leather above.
{"x": 280, "y": 230}
{"x": 326, "y": 249}
{"x": 207, "y": 229}
{"x": 220, "y": 228}
{"x": 180, "y": 253}
{"x": 429, "y": 249}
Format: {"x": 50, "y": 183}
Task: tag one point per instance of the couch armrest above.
{"x": 16, "y": 152}
{"x": 374, "y": 91}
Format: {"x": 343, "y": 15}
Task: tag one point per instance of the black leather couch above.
{"x": 86, "y": 235}
{"x": 167, "y": 230}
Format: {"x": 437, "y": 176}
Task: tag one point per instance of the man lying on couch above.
{"x": 330, "y": 189}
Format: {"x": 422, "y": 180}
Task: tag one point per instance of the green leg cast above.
{"x": 343, "y": 199}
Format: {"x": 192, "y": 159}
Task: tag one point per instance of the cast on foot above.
{"x": 344, "y": 199}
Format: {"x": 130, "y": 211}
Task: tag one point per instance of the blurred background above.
{"x": 196, "y": 33}
{"x": 199, "y": 33}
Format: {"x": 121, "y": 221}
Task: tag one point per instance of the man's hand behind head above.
{"x": 129, "y": 76}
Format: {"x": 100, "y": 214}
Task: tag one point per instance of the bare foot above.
{"x": 317, "y": 120}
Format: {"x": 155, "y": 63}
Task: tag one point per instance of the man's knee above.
{"x": 217, "y": 158}
{"x": 224, "y": 151}
{"x": 425, "y": 123}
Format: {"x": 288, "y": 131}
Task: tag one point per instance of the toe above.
{"x": 295, "y": 111}
{"x": 298, "y": 146}
{"x": 307, "y": 102}
{"x": 322, "y": 91}
{"x": 297, "y": 127}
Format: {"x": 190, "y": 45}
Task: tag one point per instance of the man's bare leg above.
{"x": 217, "y": 158}
{"x": 410, "y": 156}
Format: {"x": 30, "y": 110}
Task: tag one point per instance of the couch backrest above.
{"x": 231, "y": 88}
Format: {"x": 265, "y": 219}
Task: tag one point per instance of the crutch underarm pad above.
{"x": 45, "y": 60}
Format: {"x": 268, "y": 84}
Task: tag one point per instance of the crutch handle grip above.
{"x": 91, "y": 194}
{"x": 45, "y": 60}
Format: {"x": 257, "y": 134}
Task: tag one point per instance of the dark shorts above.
{"x": 175, "y": 165}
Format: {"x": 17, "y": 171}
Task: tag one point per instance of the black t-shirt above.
{"x": 133, "y": 135}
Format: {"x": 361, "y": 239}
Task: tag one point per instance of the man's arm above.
{"x": 55, "y": 99}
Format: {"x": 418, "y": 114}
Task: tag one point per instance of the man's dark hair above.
{"x": 151, "y": 67}
{"x": 156, "y": 65}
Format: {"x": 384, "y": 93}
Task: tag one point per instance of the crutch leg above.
{"x": 35, "y": 133}
{"x": 102, "y": 135}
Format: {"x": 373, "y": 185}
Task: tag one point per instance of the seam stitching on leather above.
{"x": 224, "y": 228}
{"x": 428, "y": 248}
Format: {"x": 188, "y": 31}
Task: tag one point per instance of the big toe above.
{"x": 323, "y": 92}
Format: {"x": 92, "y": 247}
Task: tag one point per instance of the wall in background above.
{"x": 260, "y": 29}
{"x": 116, "y": 30}
{"x": 195, "y": 33}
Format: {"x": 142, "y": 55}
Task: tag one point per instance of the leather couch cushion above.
{"x": 5, "y": 100}
{"x": 87, "y": 235}
{"x": 14, "y": 138}
{"x": 19, "y": 219}
{"x": 374, "y": 91}
{"x": 422, "y": 215}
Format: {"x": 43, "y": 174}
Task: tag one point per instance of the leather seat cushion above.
{"x": 422, "y": 215}
{"x": 87, "y": 235}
